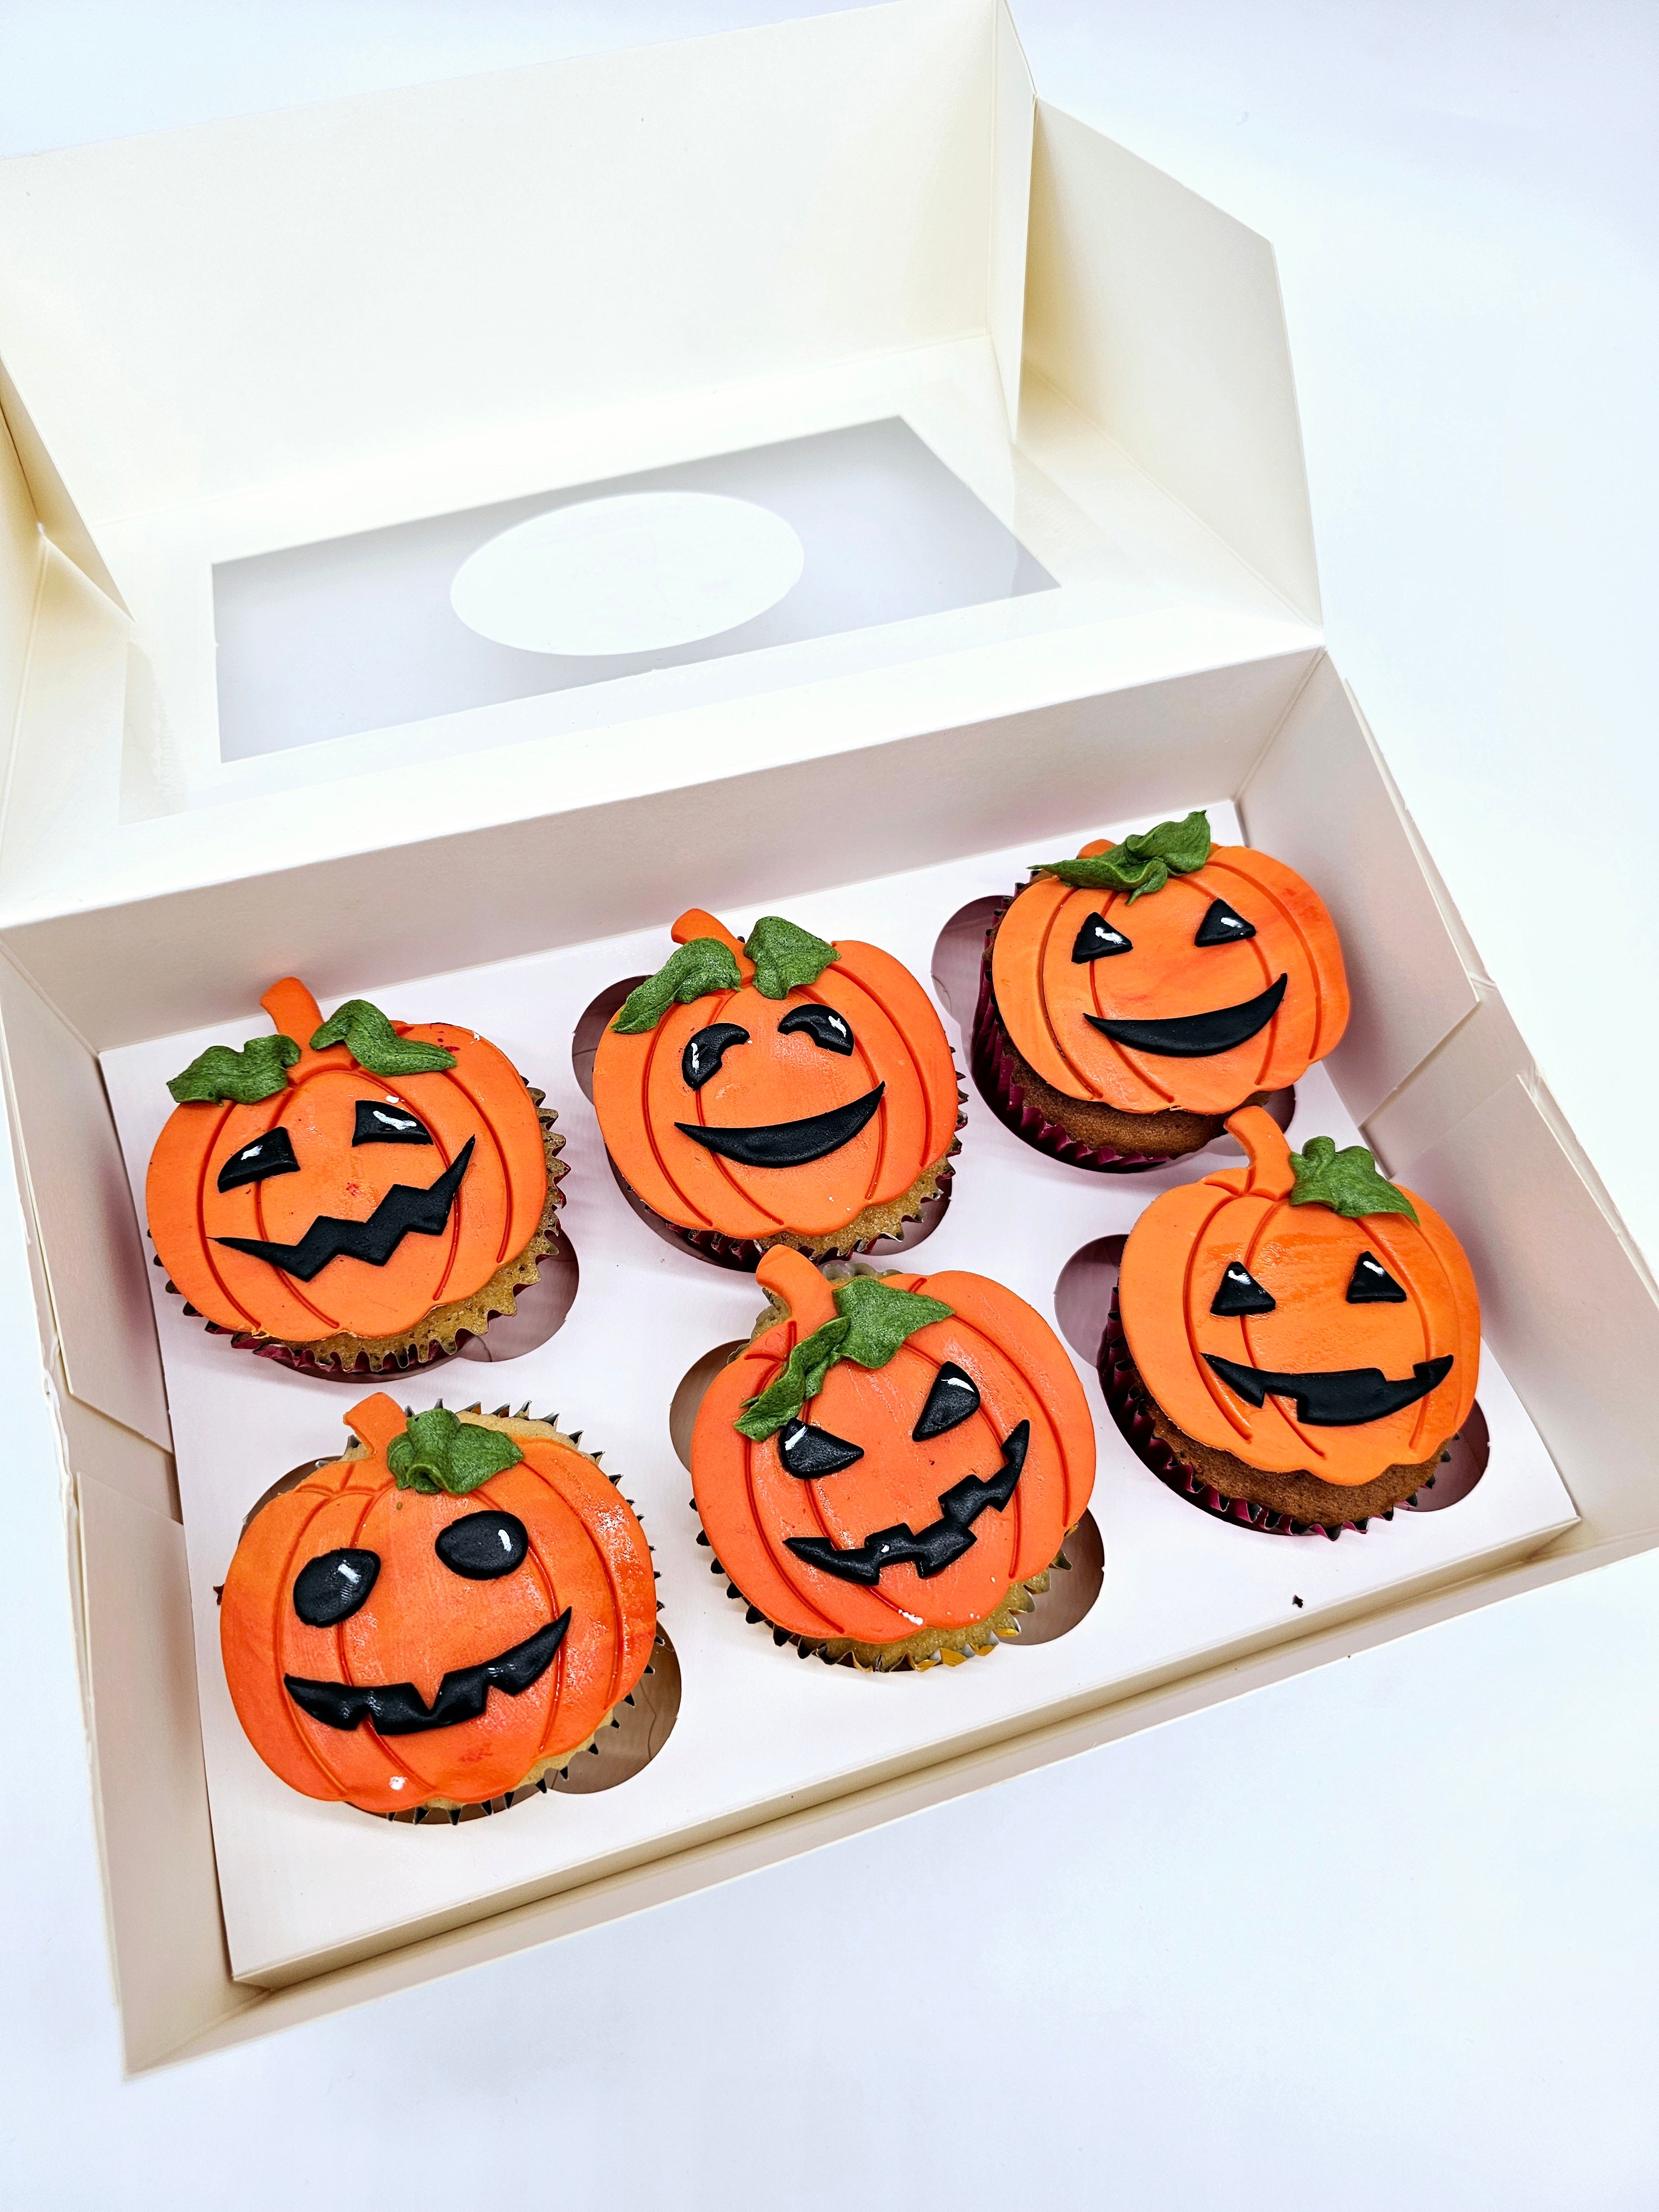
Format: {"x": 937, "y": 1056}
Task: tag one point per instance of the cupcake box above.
{"x": 337, "y": 328}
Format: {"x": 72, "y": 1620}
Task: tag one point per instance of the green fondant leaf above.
{"x": 787, "y": 958}
{"x": 373, "y": 1042}
{"x": 1143, "y": 862}
{"x": 691, "y": 971}
{"x": 873, "y": 1318}
{"x": 248, "y": 1076}
{"x": 1347, "y": 1182}
{"x": 439, "y": 1452}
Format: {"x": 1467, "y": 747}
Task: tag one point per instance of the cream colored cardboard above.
{"x": 1015, "y": 119}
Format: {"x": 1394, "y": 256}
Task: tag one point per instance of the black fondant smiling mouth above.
{"x": 1345, "y": 1398}
{"x": 1195, "y": 1036}
{"x": 787, "y": 1143}
{"x": 941, "y": 1543}
{"x": 403, "y": 1212}
{"x": 398, "y": 1708}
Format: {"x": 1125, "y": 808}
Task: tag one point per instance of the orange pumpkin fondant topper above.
{"x": 892, "y": 1466}
{"x": 439, "y": 1618}
{"x": 783, "y": 1090}
{"x": 354, "y": 1192}
{"x": 1303, "y": 1334}
{"x": 1137, "y": 995}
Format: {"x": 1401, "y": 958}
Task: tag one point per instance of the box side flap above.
{"x": 171, "y": 1974}
{"x": 1014, "y": 126}
{"x": 20, "y": 588}
{"x": 1159, "y": 318}
{"x": 232, "y": 304}
{"x": 52, "y": 504}
{"x": 1321, "y": 800}
{"x": 78, "y": 1185}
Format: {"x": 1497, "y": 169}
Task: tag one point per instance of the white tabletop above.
{"x": 1384, "y": 1935}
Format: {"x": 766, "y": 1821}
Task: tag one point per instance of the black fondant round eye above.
{"x": 482, "y": 1546}
{"x": 953, "y": 1397}
{"x": 1239, "y": 1292}
{"x": 707, "y": 1049}
{"x": 810, "y": 1452}
{"x": 828, "y": 1030}
{"x": 1221, "y": 926}
{"x": 331, "y": 1588}
{"x": 1371, "y": 1285}
{"x": 269, "y": 1155}
{"x": 378, "y": 1123}
{"x": 1098, "y": 940}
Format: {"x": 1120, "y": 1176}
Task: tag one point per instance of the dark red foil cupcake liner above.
{"x": 1127, "y": 1403}
{"x": 742, "y": 1253}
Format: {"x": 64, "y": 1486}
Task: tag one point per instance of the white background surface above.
{"x": 1388, "y": 1934}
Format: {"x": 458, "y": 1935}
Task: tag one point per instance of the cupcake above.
{"x": 888, "y": 1470}
{"x": 784, "y": 1090}
{"x": 1133, "y": 997}
{"x": 1294, "y": 1342}
{"x": 352, "y": 1195}
{"x": 442, "y": 1617}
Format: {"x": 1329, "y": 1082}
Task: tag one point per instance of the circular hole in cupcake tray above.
{"x": 1074, "y": 1583}
{"x": 1462, "y": 1466}
{"x": 624, "y": 1747}
{"x": 1084, "y": 1292}
{"x": 591, "y": 1026}
{"x": 540, "y": 1309}
{"x": 689, "y": 1393}
{"x": 959, "y": 954}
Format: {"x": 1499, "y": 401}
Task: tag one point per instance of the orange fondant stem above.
{"x": 1095, "y": 845}
{"x": 376, "y": 1420}
{"x": 1268, "y": 1152}
{"x": 693, "y": 922}
{"x": 791, "y": 1276}
{"x": 293, "y": 1009}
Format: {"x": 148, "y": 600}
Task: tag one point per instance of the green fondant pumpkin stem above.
{"x": 787, "y": 957}
{"x": 1347, "y": 1182}
{"x": 373, "y": 1042}
{"x": 1144, "y": 862}
{"x": 873, "y": 1318}
{"x": 439, "y": 1452}
{"x": 257, "y": 1072}
{"x": 691, "y": 971}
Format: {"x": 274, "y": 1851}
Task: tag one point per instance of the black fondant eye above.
{"x": 269, "y": 1155}
{"x": 1371, "y": 1285}
{"x": 1239, "y": 1292}
{"x": 707, "y": 1049}
{"x": 1098, "y": 940}
{"x": 1221, "y": 926}
{"x": 482, "y": 1546}
{"x": 828, "y": 1030}
{"x": 953, "y": 1397}
{"x": 330, "y": 1587}
{"x": 388, "y": 1125}
{"x": 810, "y": 1452}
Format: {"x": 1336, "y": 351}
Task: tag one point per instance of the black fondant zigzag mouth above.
{"x": 941, "y": 1543}
{"x": 398, "y": 1708}
{"x": 1343, "y": 1398}
{"x": 403, "y": 1212}
{"x": 1195, "y": 1036}
{"x": 787, "y": 1143}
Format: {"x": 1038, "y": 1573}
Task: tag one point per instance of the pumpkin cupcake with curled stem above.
{"x": 888, "y": 1469}
{"x": 445, "y": 1615}
{"x": 779, "y": 1090}
{"x": 353, "y": 1194}
{"x": 1294, "y": 1343}
{"x": 1132, "y": 998}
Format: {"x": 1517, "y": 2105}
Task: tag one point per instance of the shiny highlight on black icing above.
{"x": 1371, "y": 1285}
{"x": 482, "y": 1547}
{"x": 702, "y": 1056}
{"x": 940, "y": 1544}
{"x": 811, "y": 1453}
{"x": 953, "y": 1399}
{"x": 398, "y": 1708}
{"x": 381, "y": 1123}
{"x": 1098, "y": 940}
{"x": 403, "y": 1212}
{"x": 1239, "y": 1292}
{"x": 1222, "y": 926}
{"x": 828, "y": 1030}
{"x": 330, "y": 1589}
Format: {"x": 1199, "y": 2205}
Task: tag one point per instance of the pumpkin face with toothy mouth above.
{"x": 785, "y": 1089}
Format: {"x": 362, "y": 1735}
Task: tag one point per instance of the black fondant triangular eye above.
{"x": 379, "y": 1124}
{"x": 269, "y": 1155}
{"x": 1371, "y": 1285}
{"x": 1239, "y": 1292}
{"x": 330, "y": 1587}
{"x": 1098, "y": 940}
{"x": 828, "y": 1030}
{"x": 707, "y": 1049}
{"x": 810, "y": 1452}
{"x": 1221, "y": 926}
{"x": 953, "y": 1397}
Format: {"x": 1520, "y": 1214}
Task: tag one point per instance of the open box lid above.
{"x": 298, "y": 328}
